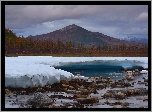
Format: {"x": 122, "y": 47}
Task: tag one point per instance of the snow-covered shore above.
{"x": 65, "y": 99}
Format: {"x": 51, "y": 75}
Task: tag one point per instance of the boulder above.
{"x": 40, "y": 90}
{"x": 65, "y": 81}
{"x": 88, "y": 100}
{"x": 39, "y": 100}
{"x": 80, "y": 96}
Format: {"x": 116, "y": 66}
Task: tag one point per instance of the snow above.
{"x": 81, "y": 77}
{"x": 25, "y": 71}
{"x": 144, "y": 71}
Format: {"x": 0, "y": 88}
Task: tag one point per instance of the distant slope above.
{"x": 134, "y": 39}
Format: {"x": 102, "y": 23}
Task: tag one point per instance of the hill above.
{"x": 77, "y": 34}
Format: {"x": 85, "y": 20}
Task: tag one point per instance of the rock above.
{"x": 39, "y": 100}
{"x": 65, "y": 86}
{"x": 40, "y": 90}
{"x": 130, "y": 78}
{"x": 71, "y": 88}
{"x": 100, "y": 86}
{"x": 115, "y": 106}
{"x": 146, "y": 84}
{"x": 51, "y": 106}
{"x": 23, "y": 92}
{"x": 118, "y": 103}
{"x": 145, "y": 80}
{"x": 48, "y": 86}
{"x": 107, "y": 95}
{"x": 76, "y": 86}
{"x": 82, "y": 87}
{"x": 65, "y": 81}
{"x": 88, "y": 100}
{"x": 93, "y": 79}
{"x": 119, "y": 86}
{"x": 78, "y": 75}
{"x": 71, "y": 91}
{"x": 95, "y": 99}
{"x": 124, "y": 107}
{"x": 80, "y": 96}
{"x": 141, "y": 107}
{"x": 125, "y": 104}
{"x": 7, "y": 91}
{"x": 85, "y": 92}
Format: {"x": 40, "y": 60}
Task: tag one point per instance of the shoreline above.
{"x": 79, "y": 93}
{"x": 84, "y": 54}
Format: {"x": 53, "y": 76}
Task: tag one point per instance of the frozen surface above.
{"x": 24, "y": 71}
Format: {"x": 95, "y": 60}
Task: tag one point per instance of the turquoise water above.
{"x": 112, "y": 69}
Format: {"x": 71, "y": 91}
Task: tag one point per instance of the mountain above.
{"x": 77, "y": 34}
{"x": 134, "y": 39}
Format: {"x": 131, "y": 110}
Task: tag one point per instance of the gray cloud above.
{"x": 26, "y": 16}
{"x": 142, "y": 16}
{"x": 112, "y": 20}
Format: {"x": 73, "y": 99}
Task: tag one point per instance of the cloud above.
{"x": 29, "y": 15}
{"x": 142, "y": 16}
{"x": 134, "y": 30}
{"x": 22, "y": 16}
{"x": 139, "y": 31}
{"x": 46, "y": 27}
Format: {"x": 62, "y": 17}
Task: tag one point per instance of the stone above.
{"x": 7, "y": 91}
{"x": 39, "y": 100}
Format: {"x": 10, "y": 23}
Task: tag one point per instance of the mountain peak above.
{"x": 69, "y": 27}
{"x": 73, "y": 25}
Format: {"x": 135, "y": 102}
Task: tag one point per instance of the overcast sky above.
{"x": 112, "y": 20}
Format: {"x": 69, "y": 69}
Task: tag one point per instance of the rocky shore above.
{"x": 95, "y": 92}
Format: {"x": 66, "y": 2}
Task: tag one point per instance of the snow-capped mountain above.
{"x": 134, "y": 39}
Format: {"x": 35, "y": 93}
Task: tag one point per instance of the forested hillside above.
{"x": 16, "y": 45}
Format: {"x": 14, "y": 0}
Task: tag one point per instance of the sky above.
{"x": 113, "y": 20}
